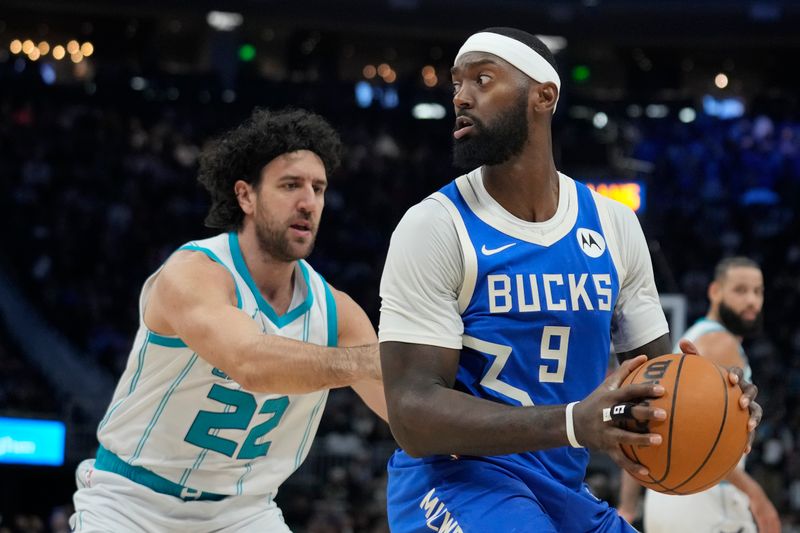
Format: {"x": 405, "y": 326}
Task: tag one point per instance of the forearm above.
{"x": 285, "y": 366}
{"x": 629, "y": 493}
{"x": 742, "y": 481}
{"x": 446, "y": 421}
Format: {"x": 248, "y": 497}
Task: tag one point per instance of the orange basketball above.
{"x": 705, "y": 433}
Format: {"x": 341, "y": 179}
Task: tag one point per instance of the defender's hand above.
{"x": 593, "y": 432}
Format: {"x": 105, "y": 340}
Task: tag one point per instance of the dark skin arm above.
{"x": 429, "y": 417}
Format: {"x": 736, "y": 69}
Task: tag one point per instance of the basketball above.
{"x": 705, "y": 432}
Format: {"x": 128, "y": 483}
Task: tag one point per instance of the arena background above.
{"x": 688, "y": 110}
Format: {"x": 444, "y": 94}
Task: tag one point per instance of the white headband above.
{"x": 515, "y": 52}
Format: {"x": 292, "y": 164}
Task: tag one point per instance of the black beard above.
{"x": 497, "y": 142}
{"x": 274, "y": 243}
{"x": 737, "y": 325}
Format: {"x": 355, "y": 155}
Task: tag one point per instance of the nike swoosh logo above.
{"x": 487, "y": 251}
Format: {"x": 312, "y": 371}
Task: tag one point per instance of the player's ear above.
{"x": 245, "y": 195}
{"x": 714, "y": 291}
{"x": 544, "y": 96}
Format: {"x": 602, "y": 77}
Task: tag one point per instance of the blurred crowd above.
{"x": 96, "y": 193}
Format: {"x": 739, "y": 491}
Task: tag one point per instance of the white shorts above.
{"x": 720, "y": 509}
{"x": 107, "y": 502}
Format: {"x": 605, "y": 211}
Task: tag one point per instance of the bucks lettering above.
{"x": 528, "y": 293}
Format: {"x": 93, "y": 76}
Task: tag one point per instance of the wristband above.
{"x": 571, "y": 427}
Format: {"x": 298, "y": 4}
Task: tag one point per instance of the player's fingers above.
{"x": 688, "y": 347}
{"x": 638, "y": 412}
{"x": 615, "y": 380}
{"x": 634, "y": 439}
{"x": 755, "y": 416}
{"x": 635, "y": 391}
{"x": 644, "y": 413}
{"x": 736, "y": 375}
{"x": 623, "y": 462}
{"x": 749, "y": 393}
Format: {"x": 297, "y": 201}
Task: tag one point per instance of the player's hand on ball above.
{"x": 749, "y": 392}
{"x": 594, "y": 430}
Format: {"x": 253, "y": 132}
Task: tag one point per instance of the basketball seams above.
{"x": 654, "y": 481}
{"x": 672, "y": 417}
{"x": 716, "y": 441}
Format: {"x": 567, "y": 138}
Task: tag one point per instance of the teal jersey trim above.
{"x": 299, "y": 455}
{"x": 110, "y": 412}
{"x": 109, "y": 462}
{"x": 333, "y": 322}
{"x": 139, "y": 366}
{"x": 161, "y": 406}
{"x": 263, "y": 305}
{"x": 163, "y": 340}
{"x": 213, "y": 257}
{"x": 239, "y": 484}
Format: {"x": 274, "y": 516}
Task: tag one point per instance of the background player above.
{"x": 736, "y": 296}
{"x": 504, "y": 286}
{"x": 236, "y": 349}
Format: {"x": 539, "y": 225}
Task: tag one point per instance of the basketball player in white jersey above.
{"x": 738, "y": 504}
{"x": 238, "y": 344}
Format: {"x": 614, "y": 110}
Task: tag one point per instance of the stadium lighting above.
{"x": 247, "y": 52}
{"x": 687, "y": 115}
{"x": 428, "y": 111}
{"x": 59, "y": 52}
{"x": 224, "y": 20}
{"x": 600, "y": 120}
{"x": 656, "y": 111}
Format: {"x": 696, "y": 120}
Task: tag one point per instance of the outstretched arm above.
{"x": 194, "y": 298}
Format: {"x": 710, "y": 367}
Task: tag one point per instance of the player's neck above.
{"x": 527, "y": 186}
{"x": 274, "y": 278}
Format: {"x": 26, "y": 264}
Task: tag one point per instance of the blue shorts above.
{"x": 489, "y": 494}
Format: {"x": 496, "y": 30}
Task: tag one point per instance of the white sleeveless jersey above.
{"x": 183, "y": 427}
{"x": 705, "y": 326}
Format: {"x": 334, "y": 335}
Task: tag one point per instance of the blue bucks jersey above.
{"x": 537, "y": 325}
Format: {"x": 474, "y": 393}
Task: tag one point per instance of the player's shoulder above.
{"x": 429, "y": 211}
{"x": 191, "y": 269}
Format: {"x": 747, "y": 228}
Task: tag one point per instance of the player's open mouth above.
{"x": 304, "y": 228}
{"x": 464, "y": 125}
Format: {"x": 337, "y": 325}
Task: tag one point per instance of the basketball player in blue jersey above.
{"x": 239, "y": 341}
{"x": 500, "y": 296}
{"x": 738, "y": 504}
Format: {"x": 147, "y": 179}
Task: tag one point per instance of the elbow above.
{"x": 408, "y": 421}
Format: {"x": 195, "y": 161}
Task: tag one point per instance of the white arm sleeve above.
{"x": 638, "y": 316}
{"x": 421, "y": 280}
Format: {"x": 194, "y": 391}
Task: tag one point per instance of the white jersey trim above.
{"x": 492, "y": 213}
{"x": 468, "y": 250}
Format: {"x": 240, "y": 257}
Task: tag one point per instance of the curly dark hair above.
{"x": 242, "y": 153}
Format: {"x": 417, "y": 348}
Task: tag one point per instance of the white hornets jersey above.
{"x": 182, "y": 427}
